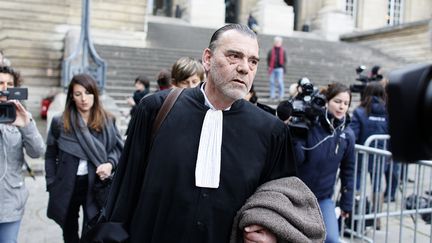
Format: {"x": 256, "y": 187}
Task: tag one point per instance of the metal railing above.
{"x": 401, "y": 216}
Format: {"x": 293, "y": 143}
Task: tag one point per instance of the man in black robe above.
{"x": 210, "y": 154}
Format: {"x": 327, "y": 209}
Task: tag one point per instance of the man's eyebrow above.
{"x": 256, "y": 58}
{"x": 230, "y": 51}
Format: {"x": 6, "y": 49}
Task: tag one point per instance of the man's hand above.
{"x": 104, "y": 170}
{"x": 22, "y": 116}
{"x": 258, "y": 234}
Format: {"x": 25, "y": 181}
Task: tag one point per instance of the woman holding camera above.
{"x": 15, "y": 137}
{"x": 329, "y": 146}
{"x": 83, "y": 149}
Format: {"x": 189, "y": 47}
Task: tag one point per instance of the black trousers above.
{"x": 79, "y": 196}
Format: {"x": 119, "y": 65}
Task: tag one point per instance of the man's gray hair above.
{"x": 278, "y": 39}
{"x": 239, "y": 27}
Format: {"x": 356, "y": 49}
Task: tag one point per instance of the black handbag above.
{"x": 101, "y": 190}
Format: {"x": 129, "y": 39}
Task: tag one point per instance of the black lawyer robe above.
{"x": 154, "y": 192}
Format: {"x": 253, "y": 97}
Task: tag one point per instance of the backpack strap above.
{"x": 165, "y": 109}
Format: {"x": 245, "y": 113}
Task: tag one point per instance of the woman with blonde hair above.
{"x": 187, "y": 72}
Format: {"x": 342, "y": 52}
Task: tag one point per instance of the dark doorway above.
{"x": 295, "y": 5}
{"x": 231, "y": 11}
{"x": 163, "y": 8}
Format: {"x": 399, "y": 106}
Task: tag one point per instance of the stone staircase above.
{"x": 321, "y": 61}
{"x": 32, "y": 39}
{"x": 32, "y": 34}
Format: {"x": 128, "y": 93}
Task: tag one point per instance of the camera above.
{"x": 8, "y": 110}
{"x": 303, "y": 109}
{"x": 364, "y": 79}
{"x": 410, "y": 112}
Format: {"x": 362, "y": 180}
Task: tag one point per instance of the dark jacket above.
{"x": 137, "y": 96}
{"x": 365, "y": 125}
{"x": 318, "y": 166}
{"x": 61, "y": 168}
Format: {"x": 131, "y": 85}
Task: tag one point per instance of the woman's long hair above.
{"x": 98, "y": 115}
{"x": 374, "y": 89}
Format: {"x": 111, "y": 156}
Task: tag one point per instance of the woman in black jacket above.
{"x": 329, "y": 146}
{"x": 371, "y": 118}
{"x": 83, "y": 149}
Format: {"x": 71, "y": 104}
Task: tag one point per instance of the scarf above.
{"x": 272, "y": 63}
{"x": 83, "y": 144}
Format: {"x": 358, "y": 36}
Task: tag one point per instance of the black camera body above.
{"x": 8, "y": 110}
{"x": 305, "y": 108}
{"x": 410, "y": 112}
{"x": 364, "y": 80}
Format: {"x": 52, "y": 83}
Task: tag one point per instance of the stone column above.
{"x": 274, "y": 17}
{"x": 332, "y": 21}
{"x": 209, "y": 14}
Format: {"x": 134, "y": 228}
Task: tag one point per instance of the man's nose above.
{"x": 243, "y": 66}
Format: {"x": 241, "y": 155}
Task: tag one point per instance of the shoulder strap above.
{"x": 165, "y": 109}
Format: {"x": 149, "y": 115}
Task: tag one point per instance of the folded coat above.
{"x": 285, "y": 206}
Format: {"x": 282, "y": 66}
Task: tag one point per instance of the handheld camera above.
{"x": 8, "y": 110}
{"x": 306, "y": 106}
{"x": 364, "y": 79}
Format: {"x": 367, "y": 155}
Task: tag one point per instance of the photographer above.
{"x": 375, "y": 75}
{"x": 328, "y": 146}
{"x": 20, "y": 134}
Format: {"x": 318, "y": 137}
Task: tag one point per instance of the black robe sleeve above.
{"x": 280, "y": 160}
{"x": 126, "y": 187}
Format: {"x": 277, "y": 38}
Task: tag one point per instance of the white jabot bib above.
{"x": 207, "y": 170}
{"x": 208, "y": 165}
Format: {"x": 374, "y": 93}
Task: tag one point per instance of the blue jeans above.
{"x": 327, "y": 207}
{"x": 9, "y": 231}
{"x": 277, "y": 75}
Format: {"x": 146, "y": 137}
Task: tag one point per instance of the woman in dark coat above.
{"x": 370, "y": 118}
{"x": 83, "y": 149}
{"x": 329, "y": 146}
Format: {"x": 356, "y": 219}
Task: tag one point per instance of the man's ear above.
{"x": 207, "y": 54}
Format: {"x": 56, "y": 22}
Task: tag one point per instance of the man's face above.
{"x": 6, "y": 81}
{"x": 233, "y": 64}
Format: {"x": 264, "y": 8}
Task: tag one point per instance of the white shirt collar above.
{"x": 207, "y": 101}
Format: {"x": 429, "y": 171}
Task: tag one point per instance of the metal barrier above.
{"x": 378, "y": 217}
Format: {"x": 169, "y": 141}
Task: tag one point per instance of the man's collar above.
{"x": 207, "y": 101}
